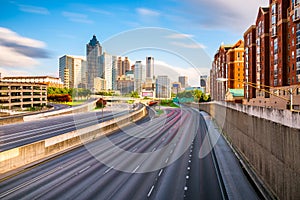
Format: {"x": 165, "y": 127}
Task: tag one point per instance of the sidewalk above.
{"x": 235, "y": 181}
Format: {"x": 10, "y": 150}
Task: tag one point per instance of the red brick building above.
{"x": 218, "y": 89}
{"x": 274, "y": 66}
{"x": 250, "y": 62}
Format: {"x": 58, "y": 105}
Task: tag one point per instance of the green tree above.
{"x": 134, "y": 94}
{"x": 198, "y": 95}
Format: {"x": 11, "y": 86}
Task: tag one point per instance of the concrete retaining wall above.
{"x": 271, "y": 149}
{"x": 18, "y": 157}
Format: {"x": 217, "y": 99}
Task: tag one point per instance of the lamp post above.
{"x": 255, "y": 86}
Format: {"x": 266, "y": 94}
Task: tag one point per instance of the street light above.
{"x": 255, "y": 86}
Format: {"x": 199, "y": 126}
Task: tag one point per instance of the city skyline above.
{"x": 64, "y": 28}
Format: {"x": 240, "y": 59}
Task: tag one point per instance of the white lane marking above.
{"x": 84, "y": 169}
{"x": 149, "y": 193}
{"x": 160, "y": 172}
{"x": 171, "y": 151}
{"x": 188, "y": 168}
{"x": 187, "y": 177}
{"x": 135, "y": 169}
{"x": 154, "y": 149}
{"x": 29, "y": 182}
{"x": 108, "y": 169}
{"x": 167, "y": 160}
{"x": 190, "y": 161}
{"x": 185, "y": 188}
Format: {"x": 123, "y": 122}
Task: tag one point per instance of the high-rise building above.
{"x": 84, "y": 75}
{"x": 93, "y": 51}
{"x": 123, "y": 66}
{"x": 183, "y": 80}
{"x": 250, "y": 61}
{"x": 228, "y": 64}
{"x": 163, "y": 87}
{"x": 106, "y": 69}
{"x": 278, "y": 37}
{"x": 99, "y": 84}
{"x": 235, "y": 66}
{"x": 126, "y": 64}
{"x": 149, "y": 67}
{"x": 294, "y": 43}
{"x": 70, "y": 70}
{"x": 203, "y": 83}
{"x": 139, "y": 76}
{"x": 176, "y": 87}
{"x": 114, "y": 72}
{"x": 271, "y": 63}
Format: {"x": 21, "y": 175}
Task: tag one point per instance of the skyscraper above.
{"x": 93, "y": 51}
{"x": 71, "y": 70}
{"x": 149, "y": 67}
{"x": 123, "y": 66}
{"x": 163, "y": 87}
{"x": 106, "y": 69}
{"x": 139, "y": 76}
{"x": 114, "y": 72}
{"x": 183, "y": 80}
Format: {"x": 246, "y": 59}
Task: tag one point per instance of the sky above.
{"x": 182, "y": 36}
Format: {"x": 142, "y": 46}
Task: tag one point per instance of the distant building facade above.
{"x": 163, "y": 87}
{"x": 150, "y": 67}
{"x": 47, "y": 80}
{"x": 139, "y": 76}
{"x": 71, "y": 70}
{"x": 93, "y": 52}
{"x": 99, "y": 84}
{"x": 183, "y": 80}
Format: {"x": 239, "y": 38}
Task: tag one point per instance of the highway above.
{"x": 15, "y": 135}
{"x": 156, "y": 158}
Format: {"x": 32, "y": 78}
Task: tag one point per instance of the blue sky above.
{"x": 34, "y": 34}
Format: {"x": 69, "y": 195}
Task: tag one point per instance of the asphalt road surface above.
{"x": 15, "y": 135}
{"x": 155, "y": 158}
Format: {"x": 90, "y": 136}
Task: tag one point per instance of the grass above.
{"x": 168, "y": 103}
{"x": 159, "y": 112}
{"x": 74, "y": 103}
{"x": 130, "y": 101}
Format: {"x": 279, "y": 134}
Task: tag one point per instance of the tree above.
{"x": 101, "y": 103}
{"x": 134, "y": 94}
{"x": 198, "y": 95}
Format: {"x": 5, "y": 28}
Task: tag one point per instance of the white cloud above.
{"x": 77, "y": 17}
{"x": 9, "y": 36}
{"x": 19, "y": 51}
{"x": 99, "y": 11}
{"x": 147, "y": 12}
{"x": 180, "y": 36}
{"x": 34, "y": 9}
{"x": 189, "y": 46}
{"x": 11, "y": 58}
{"x": 236, "y": 15}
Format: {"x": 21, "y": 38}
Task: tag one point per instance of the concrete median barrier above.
{"x": 24, "y": 155}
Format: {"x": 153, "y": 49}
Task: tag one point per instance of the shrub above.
{"x": 101, "y": 103}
